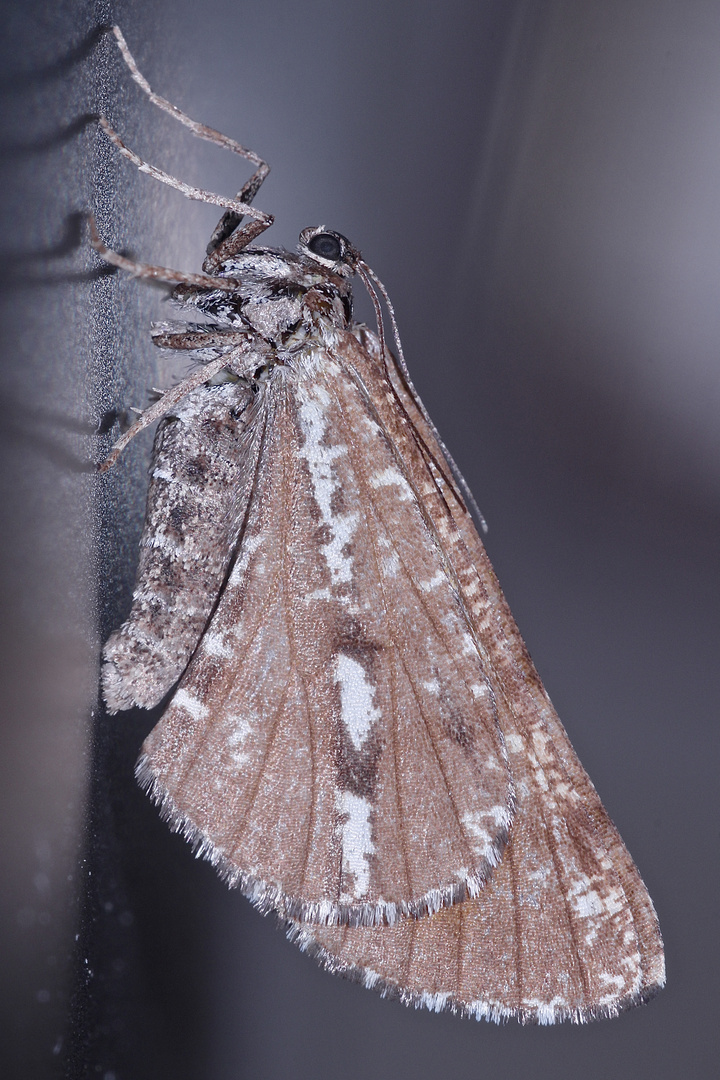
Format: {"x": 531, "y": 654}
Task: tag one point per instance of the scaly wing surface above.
{"x": 565, "y": 928}
{"x": 335, "y": 744}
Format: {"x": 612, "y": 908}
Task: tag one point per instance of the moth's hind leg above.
{"x": 168, "y": 399}
{"x": 153, "y": 272}
{"x": 236, "y": 209}
{"x": 262, "y": 220}
{"x": 201, "y": 130}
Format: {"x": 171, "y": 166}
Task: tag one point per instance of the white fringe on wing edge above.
{"x": 492, "y": 1011}
{"x": 268, "y": 896}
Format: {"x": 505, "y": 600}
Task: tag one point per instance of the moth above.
{"x": 355, "y": 734}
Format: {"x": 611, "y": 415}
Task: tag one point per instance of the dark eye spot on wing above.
{"x": 456, "y": 728}
{"x": 352, "y": 640}
{"x": 357, "y": 770}
{"x": 178, "y": 516}
{"x": 197, "y": 469}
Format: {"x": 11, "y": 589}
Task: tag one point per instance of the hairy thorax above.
{"x": 282, "y": 299}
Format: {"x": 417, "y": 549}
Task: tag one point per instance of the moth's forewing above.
{"x": 565, "y": 928}
{"x": 334, "y": 744}
{"x": 524, "y": 683}
{"x": 202, "y": 470}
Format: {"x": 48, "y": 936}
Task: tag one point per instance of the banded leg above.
{"x": 167, "y": 400}
{"x": 156, "y": 273}
{"x": 227, "y": 227}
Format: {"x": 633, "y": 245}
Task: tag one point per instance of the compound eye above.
{"x": 326, "y": 246}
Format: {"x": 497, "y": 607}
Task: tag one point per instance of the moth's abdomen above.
{"x": 202, "y": 469}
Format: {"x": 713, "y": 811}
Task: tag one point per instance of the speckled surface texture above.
{"x": 536, "y": 184}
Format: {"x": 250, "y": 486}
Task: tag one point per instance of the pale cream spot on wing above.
{"x": 356, "y": 836}
{"x": 431, "y": 685}
{"x": 542, "y": 743}
{"x": 614, "y": 901}
{"x": 564, "y": 790}
{"x": 319, "y": 594}
{"x": 357, "y": 694}
{"x": 438, "y": 579}
{"x": 241, "y": 728}
{"x": 320, "y": 457}
{"x": 248, "y": 548}
{"x": 540, "y": 777}
{"x": 586, "y": 902}
{"x": 215, "y": 645}
{"x": 187, "y": 701}
{"x": 514, "y": 743}
{"x": 475, "y": 824}
{"x": 390, "y": 564}
{"x": 469, "y": 647}
{"x": 343, "y": 527}
{"x": 371, "y": 426}
{"x": 612, "y": 980}
{"x": 390, "y": 477}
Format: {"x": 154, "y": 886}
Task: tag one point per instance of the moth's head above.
{"x": 329, "y": 249}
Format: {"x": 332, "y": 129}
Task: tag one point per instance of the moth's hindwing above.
{"x": 334, "y": 744}
{"x": 563, "y": 883}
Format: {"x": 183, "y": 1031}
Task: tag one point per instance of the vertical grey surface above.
{"x": 537, "y": 185}
{"x": 46, "y": 574}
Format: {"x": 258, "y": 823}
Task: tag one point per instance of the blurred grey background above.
{"x": 538, "y": 185}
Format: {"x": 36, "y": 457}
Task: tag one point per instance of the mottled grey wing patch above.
{"x": 202, "y": 469}
{"x": 334, "y": 745}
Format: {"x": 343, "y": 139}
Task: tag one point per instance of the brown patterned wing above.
{"x": 335, "y": 744}
{"x": 565, "y": 928}
{"x": 525, "y": 686}
{"x": 553, "y": 936}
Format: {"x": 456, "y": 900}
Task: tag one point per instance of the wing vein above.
{"x": 392, "y": 618}
{"x": 295, "y": 655}
{"x": 255, "y": 787}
